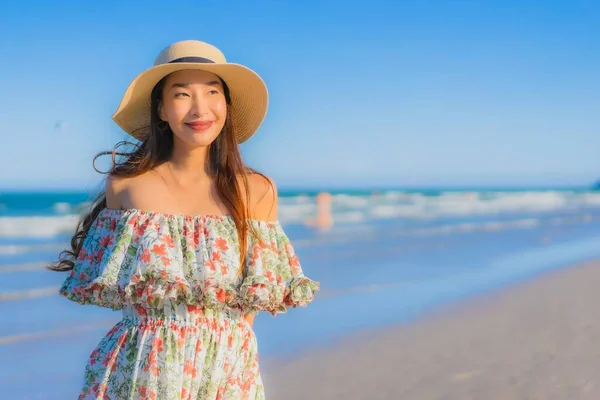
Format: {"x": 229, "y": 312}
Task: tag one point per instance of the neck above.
{"x": 190, "y": 164}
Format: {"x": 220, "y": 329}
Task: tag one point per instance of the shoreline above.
{"x": 532, "y": 339}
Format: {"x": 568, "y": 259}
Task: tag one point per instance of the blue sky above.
{"x": 362, "y": 93}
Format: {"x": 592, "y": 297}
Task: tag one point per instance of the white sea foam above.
{"x": 350, "y": 216}
{"x": 470, "y": 227}
{"x": 9, "y": 268}
{"x": 62, "y": 208}
{"x": 37, "y": 226}
{"x": 349, "y": 209}
{"x": 465, "y": 204}
{"x": 591, "y": 198}
{"x": 13, "y": 249}
{"x": 348, "y": 201}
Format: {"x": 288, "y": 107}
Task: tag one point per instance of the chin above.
{"x": 198, "y": 139}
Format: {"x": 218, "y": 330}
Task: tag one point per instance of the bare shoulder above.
{"x": 115, "y": 186}
{"x": 263, "y": 197}
{"x": 133, "y": 192}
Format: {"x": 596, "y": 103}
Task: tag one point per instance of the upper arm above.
{"x": 114, "y": 188}
{"x": 263, "y": 198}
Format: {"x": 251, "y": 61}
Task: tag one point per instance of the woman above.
{"x": 185, "y": 240}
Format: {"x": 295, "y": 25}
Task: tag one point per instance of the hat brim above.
{"x": 249, "y": 97}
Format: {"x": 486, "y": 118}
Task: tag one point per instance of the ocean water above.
{"x": 390, "y": 256}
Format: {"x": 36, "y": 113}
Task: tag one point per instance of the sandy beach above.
{"x": 534, "y": 340}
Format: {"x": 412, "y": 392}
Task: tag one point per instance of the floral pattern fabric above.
{"x": 183, "y": 296}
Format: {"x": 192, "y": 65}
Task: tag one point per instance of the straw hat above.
{"x": 249, "y": 96}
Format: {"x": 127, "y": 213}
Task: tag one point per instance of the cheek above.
{"x": 174, "y": 111}
{"x": 220, "y": 109}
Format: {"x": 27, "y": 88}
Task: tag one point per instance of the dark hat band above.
{"x": 192, "y": 59}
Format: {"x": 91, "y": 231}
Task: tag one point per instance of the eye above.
{"x": 213, "y": 91}
{"x": 181, "y": 94}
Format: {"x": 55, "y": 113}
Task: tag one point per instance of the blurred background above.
{"x": 454, "y": 145}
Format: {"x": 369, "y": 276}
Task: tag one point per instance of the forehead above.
{"x": 191, "y": 77}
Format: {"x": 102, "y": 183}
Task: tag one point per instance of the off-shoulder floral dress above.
{"x": 178, "y": 281}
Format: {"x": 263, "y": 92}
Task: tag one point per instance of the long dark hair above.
{"x": 225, "y": 166}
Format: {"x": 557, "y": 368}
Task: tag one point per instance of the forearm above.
{"x": 250, "y": 318}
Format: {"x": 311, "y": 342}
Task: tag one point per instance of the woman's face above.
{"x": 194, "y": 106}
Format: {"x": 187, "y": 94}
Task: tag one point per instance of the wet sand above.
{"x": 538, "y": 339}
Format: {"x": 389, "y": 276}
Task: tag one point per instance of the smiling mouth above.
{"x": 200, "y": 126}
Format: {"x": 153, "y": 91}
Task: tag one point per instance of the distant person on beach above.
{"x": 323, "y": 219}
{"x": 184, "y": 239}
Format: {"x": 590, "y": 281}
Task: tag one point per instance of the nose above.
{"x": 199, "y": 106}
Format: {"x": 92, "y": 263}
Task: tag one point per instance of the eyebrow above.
{"x": 185, "y": 85}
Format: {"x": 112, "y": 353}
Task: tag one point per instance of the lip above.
{"x": 200, "y": 125}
